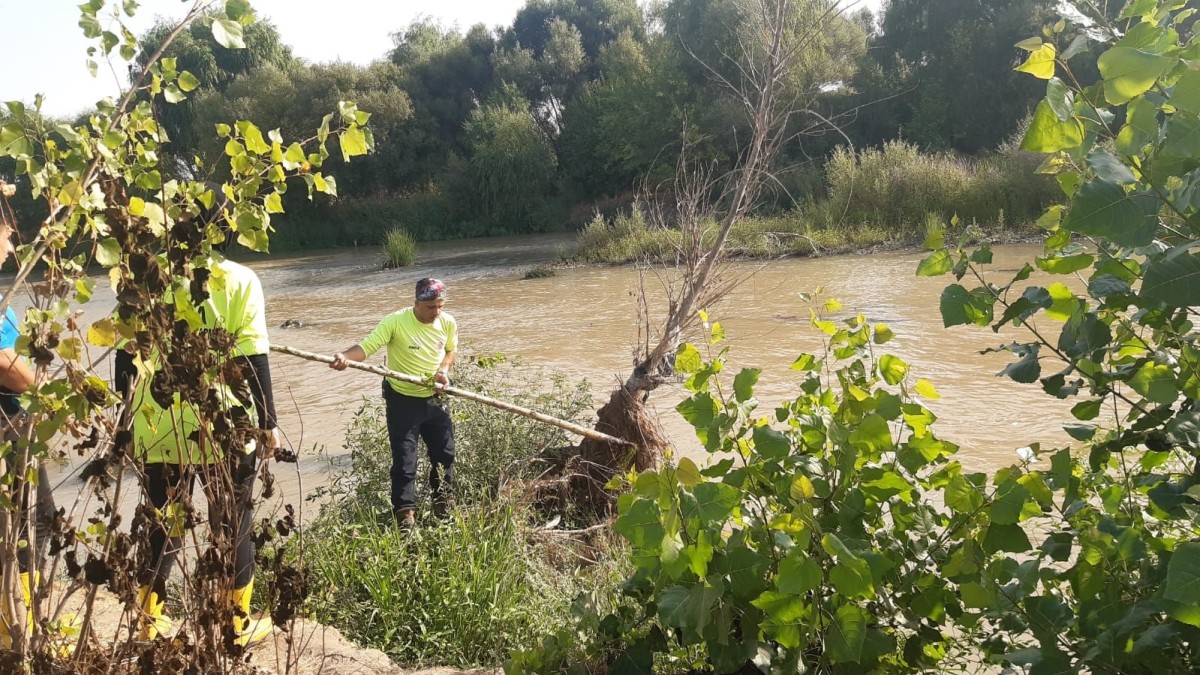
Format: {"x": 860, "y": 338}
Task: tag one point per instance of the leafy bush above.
{"x": 399, "y": 249}
{"x": 807, "y": 545}
{"x": 1112, "y": 584}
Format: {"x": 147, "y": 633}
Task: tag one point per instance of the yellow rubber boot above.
{"x": 249, "y": 631}
{"x": 8, "y": 617}
{"x": 155, "y": 624}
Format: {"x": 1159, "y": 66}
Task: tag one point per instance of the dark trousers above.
{"x": 44, "y": 513}
{"x": 410, "y": 418}
{"x": 170, "y": 484}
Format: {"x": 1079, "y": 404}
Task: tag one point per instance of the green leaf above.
{"x": 872, "y": 435}
{"x": 1130, "y": 72}
{"x": 1065, "y": 264}
{"x": 1047, "y": 133}
{"x": 960, "y": 307}
{"x": 1087, "y": 410}
{"x": 641, "y": 525}
{"x": 925, "y": 388}
{"x": 852, "y": 578}
{"x": 1060, "y": 98}
{"x": 935, "y": 264}
{"x": 699, "y": 410}
{"x": 1103, "y": 209}
{"x": 228, "y": 33}
{"x": 1009, "y": 538}
{"x": 108, "y": 253}
{"x": 1083, "y": 334}
{"x": 1109, "y": 168}
{"x": 353, "y": 142}
{"x": 1183, "y": 574}
{"x": 962, "y": 496}
{"x": 1183, "y": 135}
{"x": 1141, "y": 126}
{"x": 187, "y": 81}
{"x": 687, "y": 607}
{"x": 717, "y": 333}
{"x": 798, "y": 574}
{"x": 743, "y": 383}
{"x": 844, "y": 642}
{"x": 785, "y": 614}
{"x": 715, "y": 501}
{"x": 771, "y": 444}
{"x": 1040, "y": 63}
{"x": 1174, "y": 280}
{"x": 1186, "y": 96}
{"x": 1155, "y": 382}
{"x": 975, "y": 596}
{"x": 688, "y": 359}
{"x": 1008, "y": 504}
{"x": 892, "y": 369}
{"x": 1026, "y": 369}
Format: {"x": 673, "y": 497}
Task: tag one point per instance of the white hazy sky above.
{"x": 45, "y": 51}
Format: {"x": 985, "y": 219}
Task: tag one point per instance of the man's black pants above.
{"x": 410, "y": 418}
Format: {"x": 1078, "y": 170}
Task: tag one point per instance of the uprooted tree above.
{"x": 778, "y": 61}
{"x": 113, "y": 204}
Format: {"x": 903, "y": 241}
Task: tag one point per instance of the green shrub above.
{"x": 466, "y": 591}
{"x": 539, "y": 272}
{"x": 399, "y": 249}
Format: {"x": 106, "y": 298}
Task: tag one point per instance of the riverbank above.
{"x": 629, "y": 238}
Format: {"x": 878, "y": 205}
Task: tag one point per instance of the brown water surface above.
{"x": 583, "y": 322}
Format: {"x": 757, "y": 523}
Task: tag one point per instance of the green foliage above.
{"x": 103, "y": 190}
{"x": 1109, "y": 587}
{"x": 807, "y": 544}
{"x": 460, "y": 593}
{"x": 897, "y": 186}
{"x": 399, "y": 249}
{"x": 466, "y": 591}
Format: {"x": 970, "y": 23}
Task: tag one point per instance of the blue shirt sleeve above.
{"x": 8, "y": 330}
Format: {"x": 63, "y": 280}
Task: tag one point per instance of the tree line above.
{"x": 536, "y": 125}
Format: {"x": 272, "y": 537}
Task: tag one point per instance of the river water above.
{"x": 583, "y": 323}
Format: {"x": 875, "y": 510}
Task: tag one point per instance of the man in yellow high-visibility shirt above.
{"x": 421, "y": 341}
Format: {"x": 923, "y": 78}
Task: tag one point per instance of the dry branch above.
{"x": 463, "y": 393}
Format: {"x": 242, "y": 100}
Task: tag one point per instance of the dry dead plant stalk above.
{"x": 703, "y": 205}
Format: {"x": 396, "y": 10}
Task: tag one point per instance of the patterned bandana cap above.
{"x": 430, "y": 289}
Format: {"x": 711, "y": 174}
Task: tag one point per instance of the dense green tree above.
{"x": 213, "y": 66}
{"x": 512, "y": 163}
{"x": 958, "y": 90}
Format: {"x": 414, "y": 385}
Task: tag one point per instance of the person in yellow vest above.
{"x": 176, "y": 450}
{"x": 16, "y": 378}
{"x": 421, "y": 341}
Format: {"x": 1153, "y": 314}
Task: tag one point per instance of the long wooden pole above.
{"x": 461, "y": 393}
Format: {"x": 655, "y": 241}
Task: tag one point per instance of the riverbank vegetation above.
{"x": 399, "y": 249}
{"x": 875, "y": 198}
{"x": 496, "y": 575}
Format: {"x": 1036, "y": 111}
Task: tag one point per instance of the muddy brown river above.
{"x": 583, "y": 323}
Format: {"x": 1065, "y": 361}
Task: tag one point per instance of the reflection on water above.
{"x": 583, "y": 322}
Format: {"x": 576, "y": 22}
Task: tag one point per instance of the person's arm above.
{"x": 258, "y": 376}
{"x": 442, "y": 376}
{"x": 343, "y": 358}
{"x": 15, "y": 374}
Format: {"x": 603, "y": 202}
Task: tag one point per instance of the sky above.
{"x": 45, "y": 51}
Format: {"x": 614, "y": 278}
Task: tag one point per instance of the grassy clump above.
{"x": 399, "y": 249}
{"x": 875, "y": 198}
{"x": 467, "y": 591}
{"x": 539, "y": 272}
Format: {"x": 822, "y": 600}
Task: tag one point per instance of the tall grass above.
{"x": 399, "y": 249}
{"x": 466, "y": 591}
{"x": 897, "y": 186}
{"x": 874, "y": 198}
